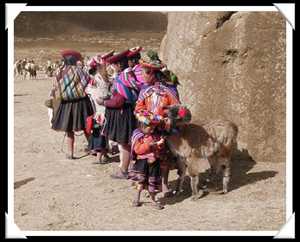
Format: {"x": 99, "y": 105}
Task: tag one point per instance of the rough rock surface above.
{"x": 232, "y": 65}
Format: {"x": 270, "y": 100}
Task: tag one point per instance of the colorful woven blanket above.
{"x": 138, "y": 73}
{"x": 126, "y": 85}
{"x": 160, "y": 90}
{"x": 71, "y": 86}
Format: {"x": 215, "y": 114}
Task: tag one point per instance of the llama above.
{"x": 212, "y": 140}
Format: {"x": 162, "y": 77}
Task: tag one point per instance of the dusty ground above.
{"x": 52, "y": 193}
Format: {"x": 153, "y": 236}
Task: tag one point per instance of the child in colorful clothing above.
{"x": 146, "y": 172}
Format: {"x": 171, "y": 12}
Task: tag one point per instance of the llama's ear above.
{"x": 166, "y": 107}
{"x": 181, "y": 112}
{"x": 187, "y": 117}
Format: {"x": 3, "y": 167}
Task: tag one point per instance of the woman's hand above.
{"x": 99, "y": 101}
{"x": 161, "y": 142}
{"x": 152, "y": 143}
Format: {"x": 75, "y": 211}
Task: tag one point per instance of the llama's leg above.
{"x": 181, "y": 173}
{"x": 194, "y": 175}
{"x": 226, "y": 174}
{"x": 213, "y": 161}
{"x": 194, "y": 186}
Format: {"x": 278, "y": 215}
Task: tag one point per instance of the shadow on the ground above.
{"x": 241, "y": 164}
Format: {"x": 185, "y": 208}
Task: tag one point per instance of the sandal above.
{"x": 69, "y": 157}
{"x": 104, "y": 160}
{"x": 158, "y": 206}
{"x": 168, "y": 193}
{"x": 120, "y": 175}
{"x": 135, "y": 203}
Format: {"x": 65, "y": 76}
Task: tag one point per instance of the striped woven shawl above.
{"x": 126, "y": 85}
{"x": 71, "y": 86}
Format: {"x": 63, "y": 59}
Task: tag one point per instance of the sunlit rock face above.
{"x": 232, "y": 65}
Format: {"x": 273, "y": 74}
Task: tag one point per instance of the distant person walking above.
{"x": 49, "y": 68}
{"x": 75, "y": 106}
{"x": 32, "y": 72}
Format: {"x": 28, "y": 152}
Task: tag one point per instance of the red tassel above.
{"x": 89, "y": 124}
{"x": 182, "y": 112}
{"x": 160, "y": 111}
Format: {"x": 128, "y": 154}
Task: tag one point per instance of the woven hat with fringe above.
{"x": 152, "y": 65}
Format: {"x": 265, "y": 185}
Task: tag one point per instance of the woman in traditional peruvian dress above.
{"x": 98, "y": 87}
{"x": 75, "y": 106}
{"x": 155, "y": 93}
{"x": 119, "y": 121}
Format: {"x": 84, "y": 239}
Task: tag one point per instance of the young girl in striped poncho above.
{"x": 146, "y": 145}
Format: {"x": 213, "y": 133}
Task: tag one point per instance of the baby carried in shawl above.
{"x": 70, "y": 86}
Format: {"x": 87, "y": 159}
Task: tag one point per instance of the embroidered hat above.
{"x": 152, "y": 65}
{"x": 147, "y": 117}
{"x": 115, "y": 58}
{"x": 71, "y": 52}
{"x": 134, "y": 51}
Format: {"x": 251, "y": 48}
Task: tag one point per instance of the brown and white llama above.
{"x": 213, "y": 140}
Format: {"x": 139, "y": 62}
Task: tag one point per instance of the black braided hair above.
{"x": 136, "y": 58}
{"x": 123, "y": 63}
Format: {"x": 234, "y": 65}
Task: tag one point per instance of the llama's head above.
{"x": 97, "y": 65}
{"x": 177, "y": 114}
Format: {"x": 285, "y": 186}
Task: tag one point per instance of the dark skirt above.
{"x": 97, "y": 142}
{"x": 119, "y": 124}
{"x": 72, "y": 115}
{"x": 146, "y": 176}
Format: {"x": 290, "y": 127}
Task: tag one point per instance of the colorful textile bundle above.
{"x": 126, "y": 85}
{"x": 160, "y": 90}
{"x": 138, "y": 74}
{"x": 71, "y": 86}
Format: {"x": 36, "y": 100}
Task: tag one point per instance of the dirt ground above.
{"x": 52, "y": 193}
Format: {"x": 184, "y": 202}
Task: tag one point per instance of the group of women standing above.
{"x": 138, "y": 86}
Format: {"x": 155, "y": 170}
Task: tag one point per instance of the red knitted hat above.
{"x": 117, "y": 57}
{"x": 108, "y": 55}
{"x": 71, "y": 52}
{"x": 134, "y": 51}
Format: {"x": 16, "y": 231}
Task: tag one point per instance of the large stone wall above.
{"x": 232, "y": 65}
